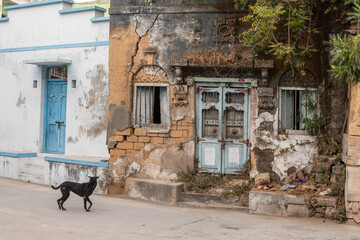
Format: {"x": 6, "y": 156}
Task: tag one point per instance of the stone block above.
{"x": 125, "y": 145}
{"x": 322, "y": 167}
{"x": 157, "y": 140}
{"x": 112, "y": 144}
{"x": 140, "y": 132}
{"x": 262, "y": 178}
{"x": 294, "y": 210}
{"x": 328, "y": 202}
{"x": 126, "y": 132}
{"x": 176, "y": 134}
{"x": 154, "y": 190}
{"x": 322, "y": 178}
{"x": 329, "y": 212}
{"x": 132, "y": 139}
{"x": 139, "y": 146}
{"x": 320, "y": 210}
{"x": 144, "y": 139}
{"x": 262, "y": 63}
{"x": 335, "y": 178}
{"x": 337, "y": 169}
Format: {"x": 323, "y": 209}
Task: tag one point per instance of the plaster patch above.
{"x": 21, "y": 101}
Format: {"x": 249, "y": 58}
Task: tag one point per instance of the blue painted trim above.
{"x": 4, "y": 19}
{"x": 100, "y": 19}
{"x": 79, "y": 162}
{"x": 82, "y": 9}
{"x": 18, "y": 155}
{"x": 70, "y": 45}
{"x": 36, "y": 4}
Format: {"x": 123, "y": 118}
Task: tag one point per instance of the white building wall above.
{"x": 22, "y": 106}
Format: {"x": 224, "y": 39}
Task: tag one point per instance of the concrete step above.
{"x": 214, "y": 206}
{"x": 33, "y": 178}
{"x": 37, "y": 161}
{"x": 159, "y": 191}
{"x": 208, "y": 198}
{"x": 34, "y": 169}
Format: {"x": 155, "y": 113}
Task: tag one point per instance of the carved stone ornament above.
{"x": 151, "y": 74}
{"x": 226, "y": 30}
{"x": 296, "y": 78}
{"x": 354, "y": 208}
{"x": 180, "y": 97}
{"x": 266, "y": 98}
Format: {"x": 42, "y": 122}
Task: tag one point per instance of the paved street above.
{"x": 29, "y": 211}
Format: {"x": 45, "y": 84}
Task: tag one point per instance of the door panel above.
{"x": 55, "y": 116}
{"x": 222, "y": 128}
{"x": 209, "y": 128}
{"x": 235, "y": 122}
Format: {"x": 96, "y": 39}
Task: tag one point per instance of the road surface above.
{"x": 30, "y": 211}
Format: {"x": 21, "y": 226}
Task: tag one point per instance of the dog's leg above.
{"x": 65, "y": 196}
{"x": 58, "y": 201}
{"x": 86, "y": 199}
{"x": 85, "y": 203}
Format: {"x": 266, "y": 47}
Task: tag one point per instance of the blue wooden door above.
{"x": 222, "y": 129}
{"x": 235, "y": 129}
{"x": 55, "y": 116}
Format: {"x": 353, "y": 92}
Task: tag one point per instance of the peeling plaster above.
{"x": 296, "y": 151}
{"x": 21, "y": 101}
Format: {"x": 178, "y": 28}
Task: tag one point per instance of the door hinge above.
{"x": 199, "y": 139}
{"x": 247, "y": 142}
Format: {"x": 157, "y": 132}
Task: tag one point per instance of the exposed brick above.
{"x": 182, "y": 127}
{"x": 185, "y": 134}
{"x": 125, "y": 145}
{"x": 126, "y": 132}
{"x": 139, "y": 146}
{"x": 173, "y": 128}
{"x": 144, "y": 139}
{"x": 187, "y": 122}
{"x": 179, "y": 123}
{"x": 117, "y": 138}
{"x": 117, "y": 152}
{"x": 158, "y": 140}
{"x": 132, "y": 139}
{"x": 140, "y": 131}
{"x": 176, "y": 134}
{"x": 152, "y": 134}
{"x": 191, "y": 131}
{"x": 173, "y": 123}
{"x": 131, "y": 152}
{"x": 171, "y": 140}
{"x": 163, "y": 134}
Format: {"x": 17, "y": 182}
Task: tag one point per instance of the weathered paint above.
{"x": 37, "y": 170}
{"x": 51, "y": 38}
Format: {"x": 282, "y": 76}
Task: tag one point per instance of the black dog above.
{"x": 82, "y": 189}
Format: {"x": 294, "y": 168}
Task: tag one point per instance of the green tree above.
{"x": 285, "y": 28}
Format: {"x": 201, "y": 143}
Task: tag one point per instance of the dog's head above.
{"x": 93, "y": 179}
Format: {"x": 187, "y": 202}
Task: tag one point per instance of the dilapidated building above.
{"x": 184, "y": 93}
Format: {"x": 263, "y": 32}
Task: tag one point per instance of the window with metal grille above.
{"x": 296, "y": 105}
{"x": 151, "y": 105}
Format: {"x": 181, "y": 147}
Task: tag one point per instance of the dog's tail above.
{"x": 55, "y": 187}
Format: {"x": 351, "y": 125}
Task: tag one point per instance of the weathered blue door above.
{"x": 55, "y": 116}
{"x": 222, "y": 129}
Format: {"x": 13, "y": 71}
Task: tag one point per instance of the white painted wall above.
{"x": 21, "y": 105}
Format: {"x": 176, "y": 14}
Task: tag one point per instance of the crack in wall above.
{"x": 139, "y": 40}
